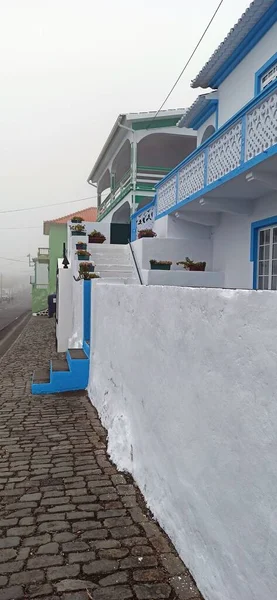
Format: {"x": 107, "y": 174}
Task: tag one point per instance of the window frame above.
{"x": 254, "y": 241}
{"x": 266, "y": 67}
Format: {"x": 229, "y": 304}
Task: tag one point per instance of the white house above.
{"x": 225, "y": 191}
{"x": 138, "y": 152}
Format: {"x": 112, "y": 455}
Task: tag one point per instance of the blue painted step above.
{"x": 64, "y": 375}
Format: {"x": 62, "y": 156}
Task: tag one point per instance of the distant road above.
{"x": 9, "y": 312}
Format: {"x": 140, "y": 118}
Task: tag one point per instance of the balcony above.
{"x": 245, "y": 141}
{"x": 43, "y": 254}
{"x": 146, "y": 180}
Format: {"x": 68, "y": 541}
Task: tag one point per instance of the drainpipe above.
{"x": 98, "y": 195}
{"x": 134, "y": 161}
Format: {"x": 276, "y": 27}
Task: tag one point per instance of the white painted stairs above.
{"x": 113, "y": 262}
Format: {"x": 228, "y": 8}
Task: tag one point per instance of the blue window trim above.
{"x": 251, "y": 40}
{"x": 255, "y": 227}
{"x": 204, "y": 114}
{"x": 259, "y": 74}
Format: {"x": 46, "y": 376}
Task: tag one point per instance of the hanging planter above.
{"x": 83, "y": 254}
{"x": 161, "y": 265}
{"x": 81, "y": 246}
{"x": 88, "y": 276}
{"x": 78, "y": 230}
{"x": 86, "y": 267}
{"x": 96, "y": 237}
{"x": 190, "y": 265}
{"x": 146, "y": 233}
{"x": 77, "y": 220}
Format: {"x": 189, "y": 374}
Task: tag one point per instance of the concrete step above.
{"x": 60, "y": 364}
{"x": 113, "y": 267}
{"x": 113, "y": 273}
{"x": 41, "y": 376}
{"x": 77, "y": 353}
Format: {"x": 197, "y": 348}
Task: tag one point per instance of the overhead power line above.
{"x": 21, "y": 228}
{"x": 13, "y": 210}
{"x": 187, "y": 63}
{"x": 13, "y": 259}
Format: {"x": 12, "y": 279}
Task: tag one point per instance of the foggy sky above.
{"x": 68, "y": 68}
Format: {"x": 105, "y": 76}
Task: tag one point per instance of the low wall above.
{"x": 172, "y": 249}
{"x": 185, "y": 381}
{"x": 183, "y": 278}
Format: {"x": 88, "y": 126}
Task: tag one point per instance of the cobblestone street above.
{"x": 71, "y": 525}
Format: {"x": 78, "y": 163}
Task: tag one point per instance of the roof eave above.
{"x": 108, "y": 141}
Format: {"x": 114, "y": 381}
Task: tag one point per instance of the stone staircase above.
{"x": 114, "y": 263}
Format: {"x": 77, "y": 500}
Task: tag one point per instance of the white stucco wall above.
{"x": 200, "y": 132}
{"x": 175, "y": 250}
{"x": 64, "y": 307}
{"x": 183, "y": 278}
{"x": 192, "y": 384}
{"x": 238, "y": 87}
{"x": 77, "y": 319}
{"x": 231, "y": 243}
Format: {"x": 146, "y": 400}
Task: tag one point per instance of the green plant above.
{"x": 97, "y": 234}
{"x": 82, "y": 252}
{"x": 78, "y": 228}
{"x": 86, "y": 266}
{"x": 77, "y": 219}
{"x": 86, "y": 275}
{"x": 191, "y": 265}
{"x": 146, "y": 233}
{"x": 160, "y": 262}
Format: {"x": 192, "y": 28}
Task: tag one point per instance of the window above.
{"x": 268, "y": 77}
{"x": 267, "y": 258}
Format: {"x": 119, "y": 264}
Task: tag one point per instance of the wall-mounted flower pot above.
{"x": 160, "y": 267}
{"x": 96, "y": 240}
{"x": 79, "y": 233}
{"x": 89, "y": 268}
{"x": 81, "y": 246}
{"x": 197, "y": 267}
{"x": 83, "y": 256}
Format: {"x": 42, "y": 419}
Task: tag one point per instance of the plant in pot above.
{"x": 81, "y": 246}
{"x": 77, "y": 220}
{"x": 78, "y": 230}
{"x": 88, "y": 276}
{"x": 162, "y": 265}
{"x": 146, "y": 233}
{"x": 96, "y": 237}
{"x": 83, "y": 254}
{"x": 191, "y": 265}
{"x": 86, "y": 267}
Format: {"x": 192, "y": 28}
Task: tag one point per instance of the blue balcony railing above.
{"x": 244, "y": 141}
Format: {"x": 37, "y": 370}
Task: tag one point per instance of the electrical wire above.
{"x": 187, "y": 63}
{"x": 14, "y": 259}
{"x": 13, "y": 210}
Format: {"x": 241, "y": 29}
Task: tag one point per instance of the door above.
{"x": 267, "y": 258}
{"x": 120, "y": 233}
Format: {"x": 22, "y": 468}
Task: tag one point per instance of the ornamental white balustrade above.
{"x": 252, "y": 132}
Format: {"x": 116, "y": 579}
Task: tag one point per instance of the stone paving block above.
{"x": 27, "y": 577}
{"x": 118, "y": 592}
{"x": 70, "y": 585}
{"x": 12, "y": 593}
{"x": 185, "y": 587}
{"x": 64, "y": 572}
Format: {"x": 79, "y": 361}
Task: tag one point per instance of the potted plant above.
{"x": 96, "y": 237}
{"x": 146, "y": 233}
{"x": 83, "y": 254}
{"x": 86, "y": 267}
{"x": 78, "y": 230}
{"x": 77, "y": 220}
{"x": 87, "y": 276}
{"x": 191, "y": 265}
{"x": 162, "y": 265}
{"x": 81, "y": 246}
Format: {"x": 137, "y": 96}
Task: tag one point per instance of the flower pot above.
{"x": 81, "y": 246}
{"x": 89, "y": 269}
{"x": 197, "y": 268}
{"x": 78, "y": 232}
{"x": 83, "y": 256}
{"x": 160, "y": 267}
{"x": 95, "y": 240}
